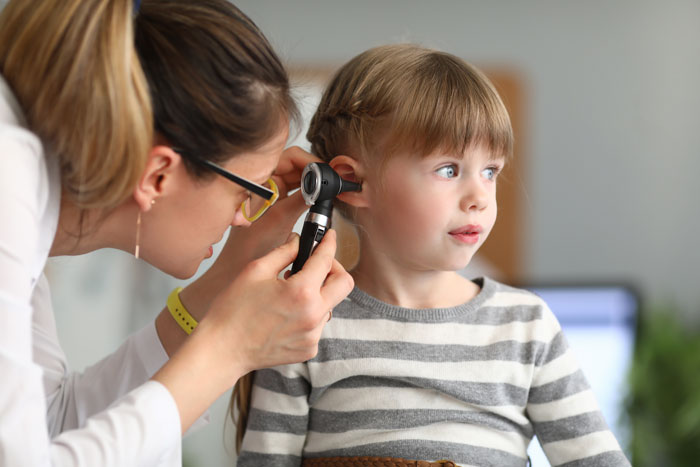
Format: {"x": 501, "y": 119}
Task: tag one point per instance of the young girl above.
{"x": 418, "y": 362}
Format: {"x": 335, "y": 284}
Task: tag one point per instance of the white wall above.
{"x": 614, "y": 117}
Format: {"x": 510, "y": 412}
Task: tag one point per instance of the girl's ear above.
{"x": 352, "y": 170}
{"x": 158, "y": 177}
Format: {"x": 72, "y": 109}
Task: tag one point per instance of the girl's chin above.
{"x": 458, "y": 265}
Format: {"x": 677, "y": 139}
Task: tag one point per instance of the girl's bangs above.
{"x": 448, "y": 107}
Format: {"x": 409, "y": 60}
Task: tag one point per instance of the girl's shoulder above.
{"x": 501, "y": 293}
{"x": 494, "y": 303}
{"x": 519, "y": 304}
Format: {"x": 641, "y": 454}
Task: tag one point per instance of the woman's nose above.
{"x": 239, "y": 219}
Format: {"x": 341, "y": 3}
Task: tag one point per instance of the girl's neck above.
{"x": 401, "y": 285}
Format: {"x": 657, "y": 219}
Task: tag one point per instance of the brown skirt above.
{"x": 366, "y": 461}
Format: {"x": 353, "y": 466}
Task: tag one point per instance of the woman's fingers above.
{"x": 291, "y": 165}
{"x": 294, "y": 159}
{"x": 264, "y": 321}
{"x": 324, "y": 272}
{"x": 270, "y": 265}
{"x": 337, "y": 286}
{"x": 319, "y": 263}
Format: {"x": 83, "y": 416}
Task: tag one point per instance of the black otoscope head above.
{"x": 320, "y": 184}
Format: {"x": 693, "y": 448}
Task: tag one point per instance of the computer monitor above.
{"x": 599, "y": 322}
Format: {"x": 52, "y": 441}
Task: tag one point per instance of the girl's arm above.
{"x": 278, "y": 418}
{"x": 564, "y": 412}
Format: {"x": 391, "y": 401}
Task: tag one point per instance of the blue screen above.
{"x": 599, "y": 323}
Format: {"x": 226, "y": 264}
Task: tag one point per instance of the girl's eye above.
{"x": 448, "y": 171}
{"x": 490, "y": 173}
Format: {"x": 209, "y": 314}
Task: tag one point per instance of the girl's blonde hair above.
{"x": 74, "y": 69}
{"x": 394, "y": 99}
{"x": 406, "y": 98}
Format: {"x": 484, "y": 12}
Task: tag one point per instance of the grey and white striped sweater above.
{"x": 471, "y": 384}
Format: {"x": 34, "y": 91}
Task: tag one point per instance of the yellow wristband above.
{"x": 179, "y": 312}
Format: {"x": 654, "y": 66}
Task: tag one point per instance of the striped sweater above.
{"x": 472, "y": 384}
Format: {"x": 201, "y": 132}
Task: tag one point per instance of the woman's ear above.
{"x": 352, "y": 170}
{"x": 158, "y": 177}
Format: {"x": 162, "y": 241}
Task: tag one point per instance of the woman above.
{"x": 117, "y": 122}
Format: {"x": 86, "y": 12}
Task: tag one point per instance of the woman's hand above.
{"x": 265, "y": 321}
{"x": 291, "y": 165}
{"x": 258, "y": 321}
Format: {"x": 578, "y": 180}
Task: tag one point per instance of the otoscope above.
{"x": 319, "y": 185}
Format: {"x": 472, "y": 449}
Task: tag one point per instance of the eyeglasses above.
{"x": 254, "y": 206}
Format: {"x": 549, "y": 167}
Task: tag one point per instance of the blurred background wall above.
{"x": 610, "y": 141}
{"x": 612, "y": 124}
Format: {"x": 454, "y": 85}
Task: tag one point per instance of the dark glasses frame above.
{"x": 270, "y": 196}
{"x": 237, "y": 179}
{"x": 247, "y": 184}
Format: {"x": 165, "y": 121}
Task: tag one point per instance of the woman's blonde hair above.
{"x": 393, "y": 99}
{"x": 97, "y": 78}
{"x": 74, "y": 69}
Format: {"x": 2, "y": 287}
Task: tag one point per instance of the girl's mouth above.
{"x": 468, "y": 234}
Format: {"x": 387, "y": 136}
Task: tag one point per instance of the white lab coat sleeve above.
{"x": 73, "y": 397}
{"x": 141, "y": 429}
{"x": 23, "y": 436}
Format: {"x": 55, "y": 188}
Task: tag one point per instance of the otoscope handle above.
{"x": 315, "y": 226}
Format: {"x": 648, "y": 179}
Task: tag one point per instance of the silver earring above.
{"x": 138, "y": 235}
{"x": 138, "y": 232}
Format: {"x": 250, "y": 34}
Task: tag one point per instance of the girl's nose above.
{"x": 475, "y": 196}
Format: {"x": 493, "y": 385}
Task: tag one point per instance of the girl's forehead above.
{"x": 478, "y": 151}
